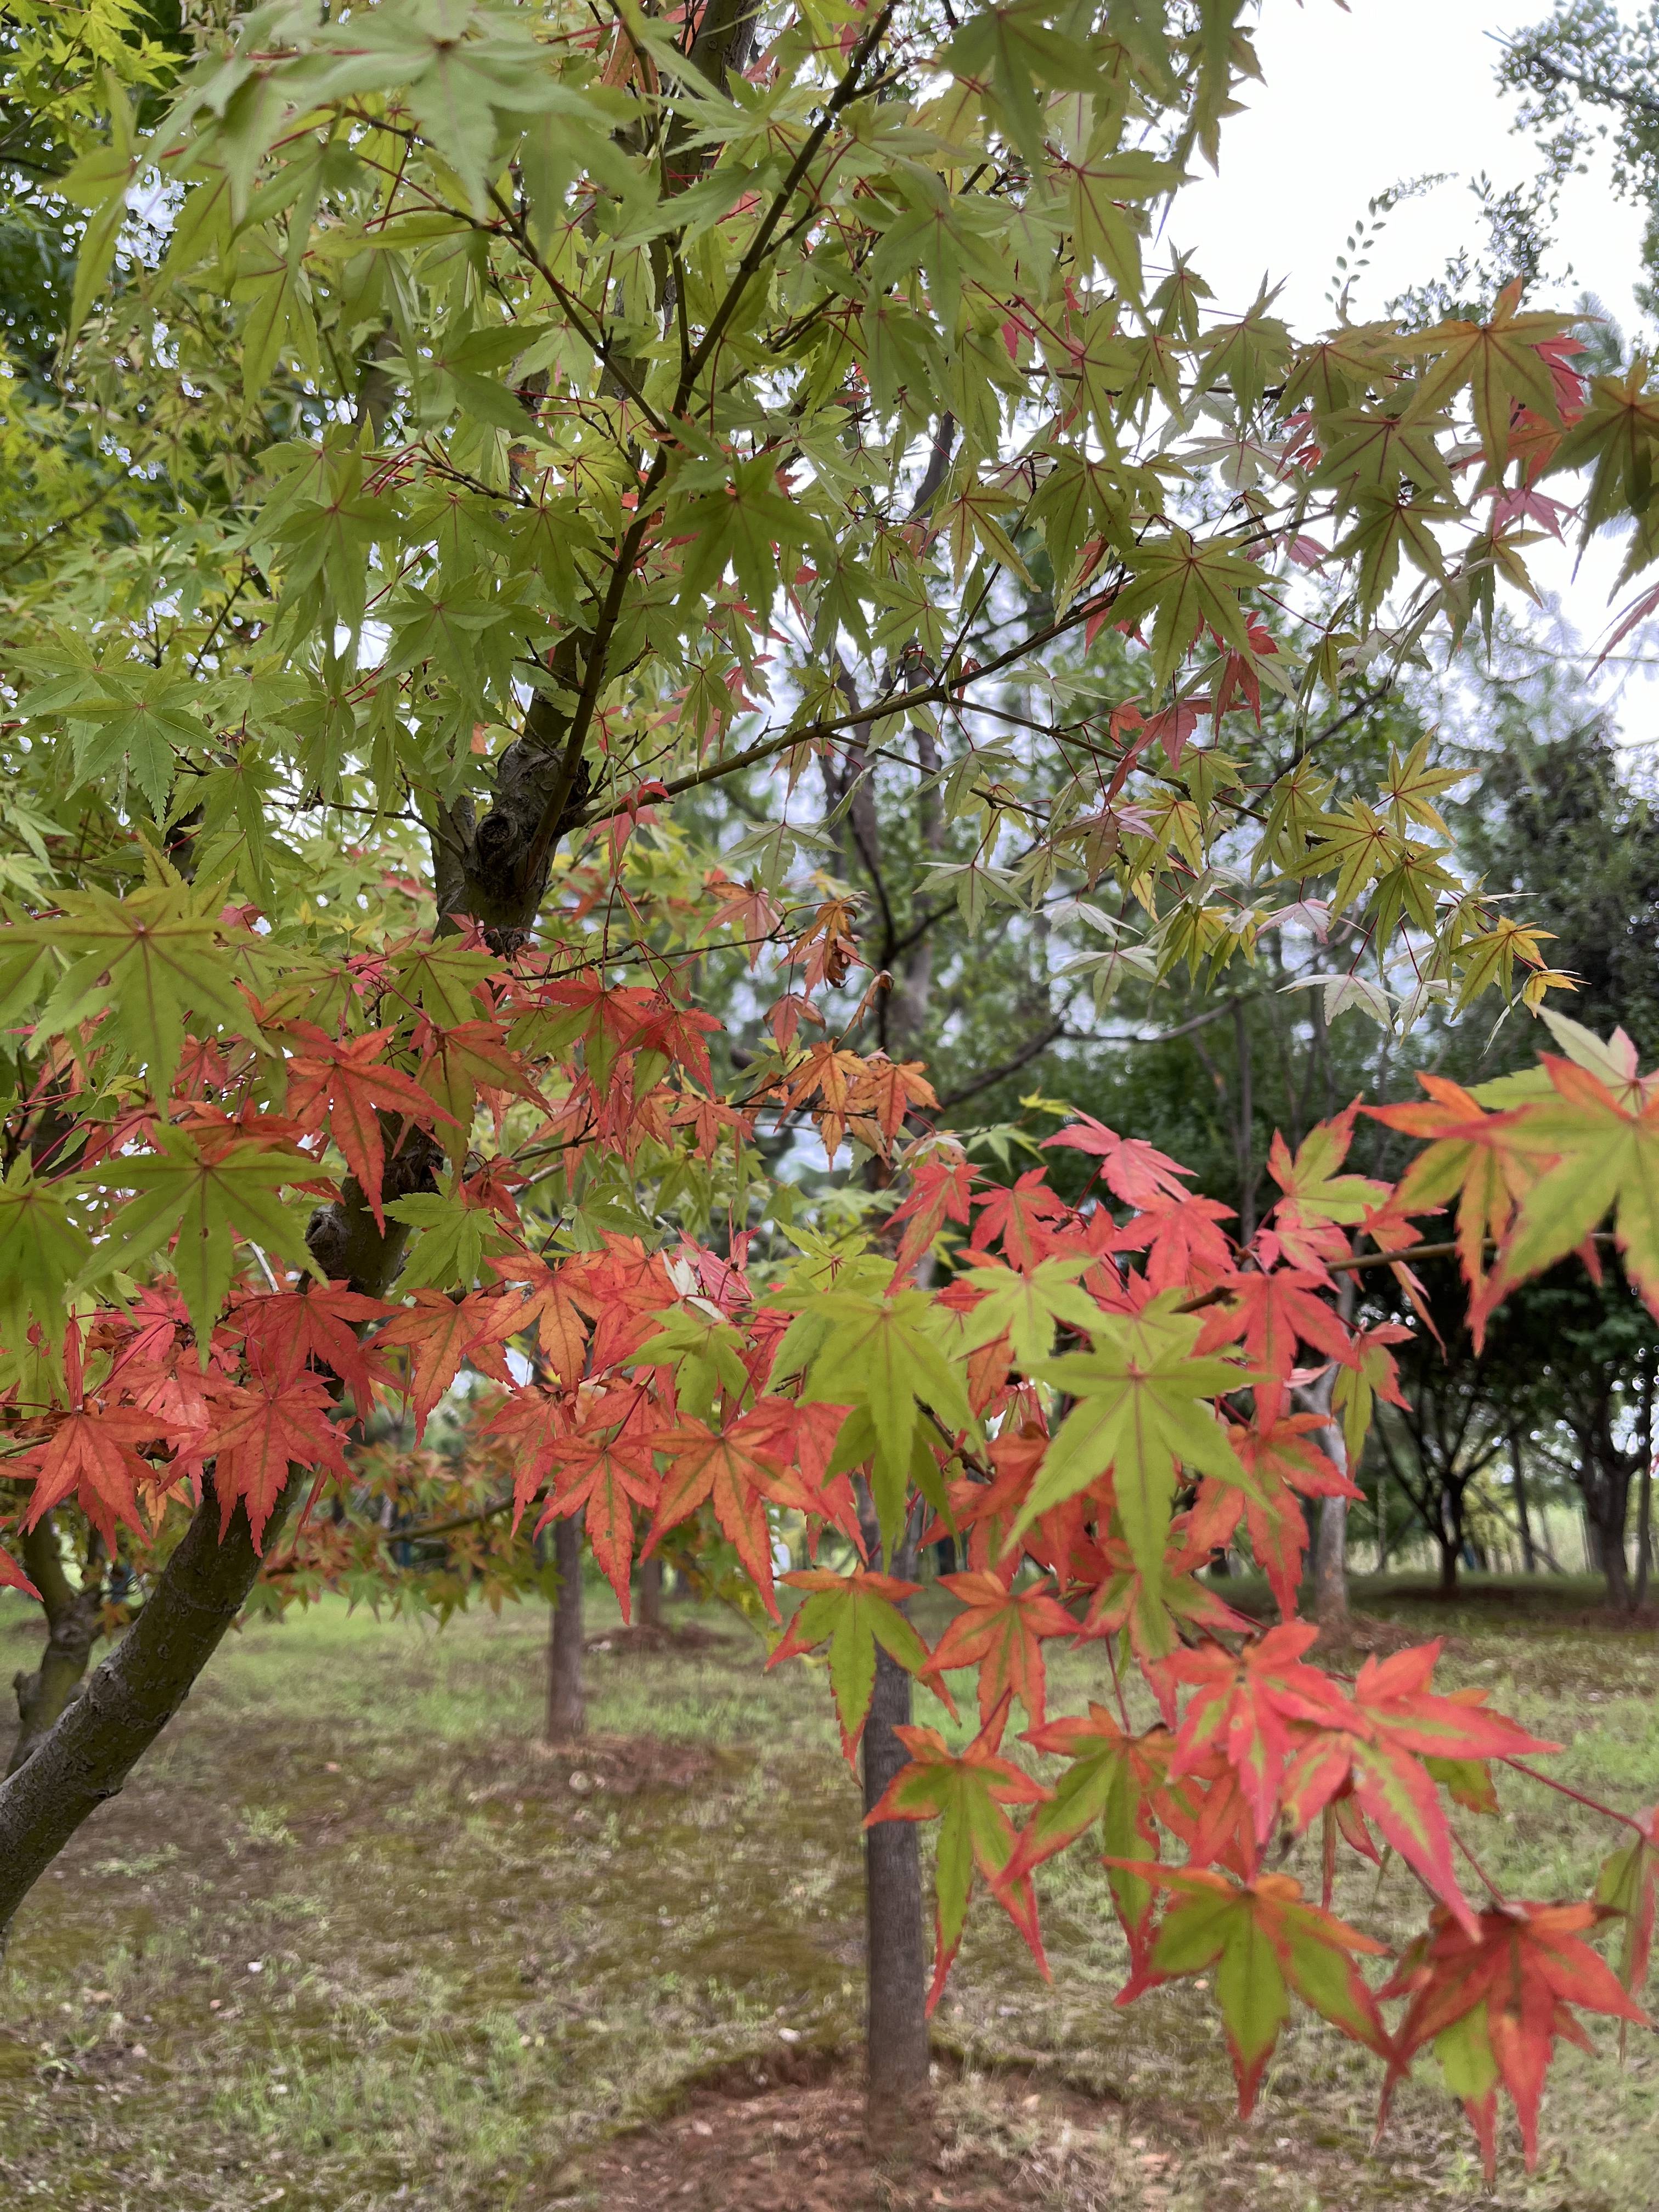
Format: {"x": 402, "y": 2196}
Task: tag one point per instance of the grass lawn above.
{"x": 348, "y": 1940}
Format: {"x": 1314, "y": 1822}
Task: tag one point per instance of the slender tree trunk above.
{"x": 126, "y": 1702}
{"x": 650, "y": 1602}
{"x": 566, "y": 1707}
{"x": 1523, "y": 1517}
{"x": 1244, "y": 1127}
{"x": 1645, "y": 1492}
{"x": 899, "y": 2100}
{"x": 1448, "y": 1535}
{"x": 898, "y": 2095}
{"x": 1331, "y": 1545}
{"x": 1331, "y": 1563}
{"x": 74, "y": 1618}
{"x": 1610, "y": 1542}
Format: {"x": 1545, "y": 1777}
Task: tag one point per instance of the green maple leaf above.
{"x": 878, "y": 1356}
{"x": 745, "y": 522}
{"x": 1263, "y": 1941}
{"x": 1111, "y": 1779}
{"x": 1140, "y": 1412}
{"x": 1619, "y": 432}
{"x": 1024, "y": 1307}
{"x": 42, "y": 1250}
{"x": 441, "y": 977}
{"x": 1108, "y": 231}
{"x": 1017, "y": 50}
{"x": 1184, "y": 586}
{"x": 965, "y": 1793}
{"x": 1499, "y": 362}
{"x": 456, "y": 1239}
{"x": 128, "y": 716}
{"x": 152, "y": 963}
{"x": 1385, "y": 529}
{"x": 206, "y": 1199}
{"x": 853, "y": 1613}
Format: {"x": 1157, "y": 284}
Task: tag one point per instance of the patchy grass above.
{"x": 349, "y": 1940}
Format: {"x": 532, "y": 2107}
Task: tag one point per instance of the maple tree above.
{"x": 547, "y": 415}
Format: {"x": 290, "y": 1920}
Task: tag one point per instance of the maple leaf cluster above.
{"x": 1091, "y": 1397}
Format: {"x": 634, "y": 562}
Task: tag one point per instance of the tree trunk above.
{"x": 898, "y": 2098}
{"x": 127, "y": 1702}
{"x": 1610, "y": 1543}
{"x": 650, "y": 1605}
{"x": 897, "y": 2094}
{"x": 1644, "y": 1537}
{"x": 1523, "y": 1516}
{"x": 1331, "y": 1562}
{"x": 1331, "y": 1546}
{"x": 74, "y": 1618}
{"x": 1450, "y": 1541}
{"x": 566, "y": 1707}
{"x": 1244, "y": 1125}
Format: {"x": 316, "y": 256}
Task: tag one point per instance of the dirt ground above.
{"x": 792, "y": 2141}
{"x": 354, "y": 1940}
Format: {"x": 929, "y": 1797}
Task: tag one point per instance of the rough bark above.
{"x": 567, "y": 1704}
{"x": 126, "y": 1702}
{"x": 74, "y": 1618}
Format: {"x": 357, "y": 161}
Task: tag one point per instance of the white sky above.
{"x": 1353, "y": 102}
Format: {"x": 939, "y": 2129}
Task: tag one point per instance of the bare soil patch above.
{"x": 641, "y": 1637}
{"x": 622, "y": 1766}
{"x": 789, "y": 2137}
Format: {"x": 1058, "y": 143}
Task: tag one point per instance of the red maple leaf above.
{"x": 1131, "y": 1168}
{"x": 999, "y": 1632}
{"x": 1180, "y": 1240}
{"x": 286, "y": 1331}
{"x": 1372, "y": 1747}
{"x": 343, "y": 1083}
{"x": 735, "y": 1471}
{"x": 941, "y": 1189}
{"x": 549, "y": 1308}
{"x": 92, "y": 1453}
{"x": 12, "y": 1576}
{"x": 1495, "y": 1994}
{"x": 1017, "y": 1217}
{"x": 622, "y": 1289}
{"x": 1283, "y": 1465}
{"x": 609, "y": 1479}
{"x": 1274, "y": 1312}
{"x": 1245, "y": 1708}
{"x": 257, "y": 1433}
{"x": 440, "y": 1332}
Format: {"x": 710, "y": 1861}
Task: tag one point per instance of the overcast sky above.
{"x": 1353, "y": 102}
